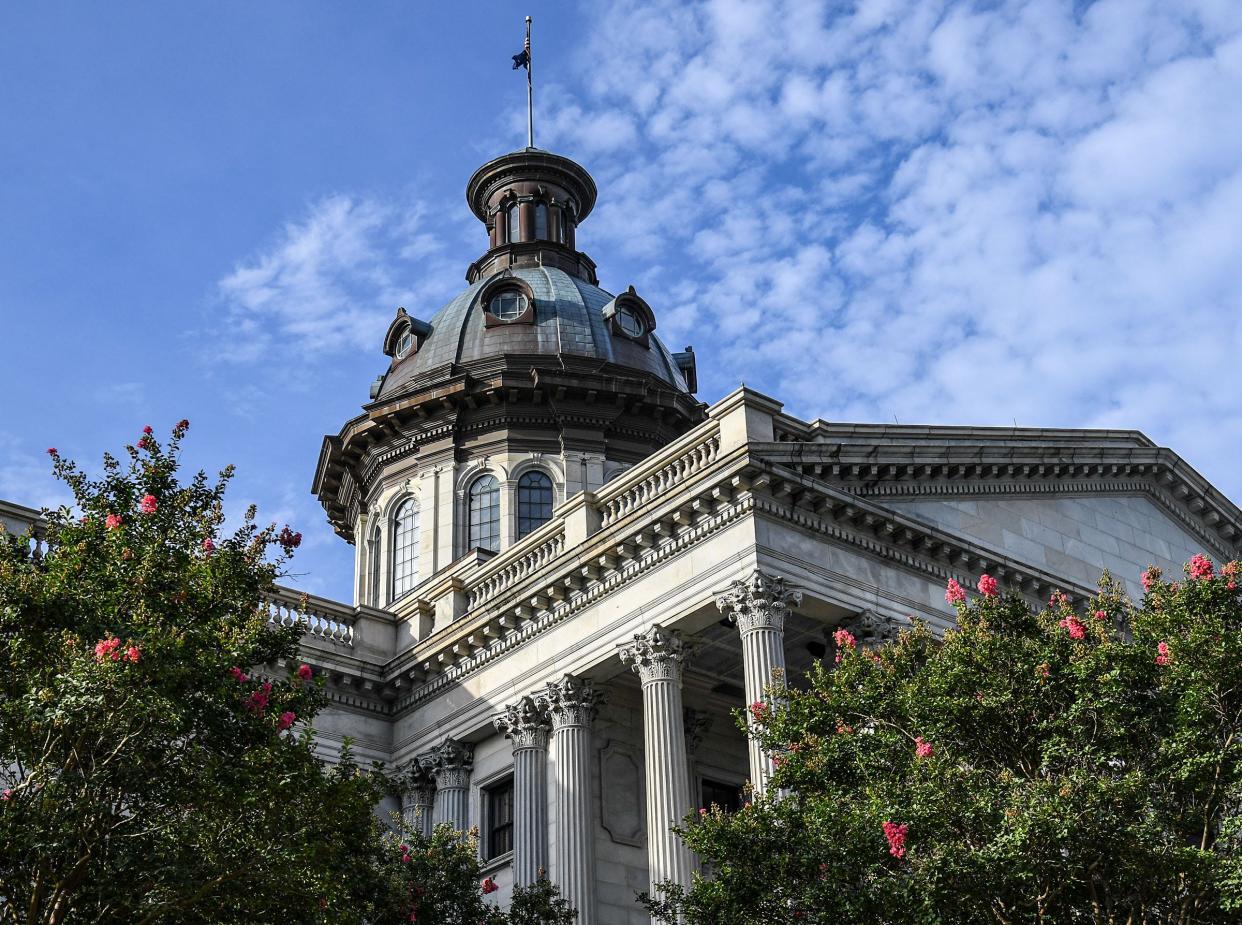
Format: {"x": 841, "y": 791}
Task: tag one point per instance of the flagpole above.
{"x": 530, "y": 92}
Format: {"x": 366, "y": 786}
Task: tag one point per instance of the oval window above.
{"x": 507, "y": 305}
{"x": 404, "y": 343}
{"x": 629, "y": 321}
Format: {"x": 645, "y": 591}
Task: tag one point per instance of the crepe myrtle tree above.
{"x": 148, "y": 773}
{"x": 1058, "y": 765}
{"x": 439, "y": 880}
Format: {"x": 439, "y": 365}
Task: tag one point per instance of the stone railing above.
{"x": 19, "y": 520}
{"x": 318, "y": 616}
{"x": 511, "y": 566}
{"x": 646, "y": 481}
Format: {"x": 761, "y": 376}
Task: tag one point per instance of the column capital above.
{"x": 696, "y": 724}
{"x": 758, "y": 601}
{"x": 571, "y": 701}
{"x": 416, "y": 776}
{"x": 656, "y": 655}
{"x": 524, "y": 723}
{"x": 871, "y": 629}
{"x": 450, "y": 763}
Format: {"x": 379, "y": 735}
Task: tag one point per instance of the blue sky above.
{"x": 922, "y": 211}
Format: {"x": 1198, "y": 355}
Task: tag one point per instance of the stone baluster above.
{"x": 419, "y": 797}
{"x": 571, "y": 704}
{"x": 657, "y": 656}
{"x": 760, "y": 605}
{"x": 526, "y": 725}
{"x": 451, "y": 763}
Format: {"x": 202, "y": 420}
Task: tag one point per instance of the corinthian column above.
{"x": 526, "y": 725}
{"x": 571, "y": 703}
{"x": 451, "y": 763}
{"x": 760, "y": 605}
{"x": 419, "y": 796}
{"x": 657, "y": 656}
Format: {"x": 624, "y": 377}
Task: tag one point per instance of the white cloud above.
{"x": 331, "y": 280}
{"x": 939, "y": 211}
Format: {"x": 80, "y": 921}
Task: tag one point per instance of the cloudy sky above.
{"x": 918, "y": 211}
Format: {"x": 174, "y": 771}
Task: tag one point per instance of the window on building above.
{"x": 499, "y": 815}
{"x": 534, "y": 502}
{"x": 484, "y": 514}
{"x": 727, "y": 796}
{"x": 541, "y": 221}
{"x": 373, "y": 559}
{"x": 514, "y": 227}
{"x": 561, "y": 218}
{"x": 630, "y": 322}
{"x": 405, "y": 548}
{"x": 508, "y": 304}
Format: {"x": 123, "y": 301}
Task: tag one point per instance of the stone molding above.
{"x": 761, "y": 601}
{"x": 658, "y": 654}
{"x": 871, "y": 630}
{"x": 571, "y": 702}
{"x": 525, "y": 723}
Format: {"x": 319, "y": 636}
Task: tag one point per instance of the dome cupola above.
{"x": 531, "y": 202}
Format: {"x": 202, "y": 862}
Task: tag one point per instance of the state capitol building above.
{"x": 570, "y": 572}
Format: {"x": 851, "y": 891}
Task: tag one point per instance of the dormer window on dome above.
{"x": 630, "y": 317}
{"x": 405, "y": 335}
{"x": 507, "y": 299}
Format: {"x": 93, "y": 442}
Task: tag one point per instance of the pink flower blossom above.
{"x": 52, "y": 451}
{"x": 488, "y": 885}
{"x": 305, "y": 672}
{"x": 131, "y": 654}
{"x": 844, "y": 640}
{"x": 148, "y": 504}
{"x": 896, "y": 835}
{"x": 107, "y": 648}
{"x": 1058, "y": 599}
{"x": 238, "y": 675}
{"x": 1076, "y": 628}
{"x": 288, "y": 539}
{"x": 1199, "y": 568}
{"x": 843, "y": 729}
{"x": 1162, "y": 654}
{"x": 256, "y": 702}
{"x": 1150, "y": 577}
{"x": 208, "y": 546}
{"x": 1043, "y": 670}
{"x": 702, "y": 811}
{"x": 759, "y": 710}
{"x": 147, "y": 430}
{"x": 988, "y": 586}
{"x": 954, "y": 593}
{"x": 922, "y": 748}
{"x": 112, "y": 521}
{"x": 286, "y": 720}
{"x": 7, "y": 794}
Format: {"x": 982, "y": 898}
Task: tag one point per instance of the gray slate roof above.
{"x": 568, "y": 320}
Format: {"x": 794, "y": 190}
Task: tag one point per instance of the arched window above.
{"x": 541, "y": 221}
{"x": 373, "y": 560}
{"x": 514, "y": 231}
{"x": 484, "y": 514}
{"x": 534, "y": 502}
{"x": 404, "y": 548}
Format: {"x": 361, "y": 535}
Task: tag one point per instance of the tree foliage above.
{"x": 148, "y": 773}
{"x": 1050, "y": 766}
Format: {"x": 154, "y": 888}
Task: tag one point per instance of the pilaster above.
{"x": 451, "y": 763}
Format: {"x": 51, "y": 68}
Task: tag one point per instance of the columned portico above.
{"x": 571, "y": 704}
{"x": 451, "y": 764}
{"x": 526, "y": 726}
{"x": 760, "y": 604}
{"x": 419, "y": 798}
{"x": 657, "y": 656}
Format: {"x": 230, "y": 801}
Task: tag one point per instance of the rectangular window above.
{"x": 727, "y": 796}
{"x": 498, "y": 808}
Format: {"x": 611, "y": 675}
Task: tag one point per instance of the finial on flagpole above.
{"x": 530, "y": 93}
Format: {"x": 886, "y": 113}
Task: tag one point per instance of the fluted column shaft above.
{"x": 571, "y": 704}
{"x": 416, "y": 809}
{"x": 657, "y": 657}
{"x": 526, "y": 725}
{"x": 760, "y": 605}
